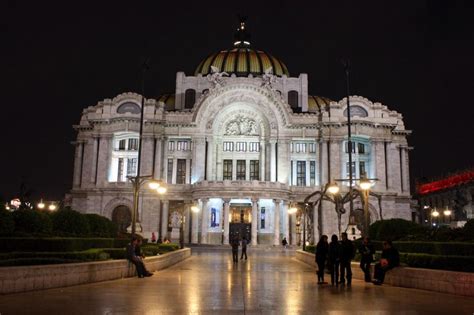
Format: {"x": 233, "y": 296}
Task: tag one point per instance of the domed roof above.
{"x": 242, "y": 60}
{"x": 317, "y": 103}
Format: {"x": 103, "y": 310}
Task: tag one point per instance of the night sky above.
{"x": 55, "y": 60}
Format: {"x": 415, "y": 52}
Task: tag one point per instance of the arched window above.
{"x": 189, "y": 98}
{"x": 356, "y": 110}
{"x": 128, "y": 107}
{"x": 205, "y": 91}
{"x": 293, "y": 99}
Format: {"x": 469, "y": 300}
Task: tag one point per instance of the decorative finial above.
{"x": 242, "y": 37}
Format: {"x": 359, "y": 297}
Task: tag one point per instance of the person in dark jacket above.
{"x": 322, "y": 249}
{"x": 244, "y": 249}
{"x": 235, "y": 250}
{"x": 347, "y": 254}
{"x": 366, "y": 250}
{"x": 334, "y": 259}
{"x": 137, "y": 259}
{"x": 390, "y": 259}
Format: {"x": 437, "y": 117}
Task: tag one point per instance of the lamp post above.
{"x": 346, "y": 65}
{"x": 447, "y": 215}
{"x": 434, "y": 215}
{"x": 194, "y": 209}
{"x": 365, "y": 184}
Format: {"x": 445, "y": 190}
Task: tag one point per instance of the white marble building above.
{"x": 243, "y": 147}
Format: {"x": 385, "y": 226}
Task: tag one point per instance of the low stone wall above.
{"x": 453, "y": 282}
{"x": 29, "y": 278}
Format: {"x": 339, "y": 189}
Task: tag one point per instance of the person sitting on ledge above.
{"x": 390, "y": 259}
{"x": 134, "y": 256}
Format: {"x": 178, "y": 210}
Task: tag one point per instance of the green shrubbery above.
{"x": 29, "y": 221}
{"x": 30, "y": 244}
{"x": 153, "y": 249}
{"x": 101, "y": 226}
{"x": 310, "y": 249}
{"x": 7, "y": 223}
{"x": 67, "y": 222}
{"x": 454, "y": 263}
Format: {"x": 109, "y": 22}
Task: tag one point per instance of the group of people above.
{"x": 337, "y": 256}
{"x": 235, "y": 249}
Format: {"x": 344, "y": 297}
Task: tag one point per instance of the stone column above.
{"x": 210, "y": 160}
{"x": 226, "y": 220}
{"x": 255, "y": 221}
{"x": 335, "y": 148}
{"x": 199, "y": 155}
{"x": 195, "y": 228}
{"x": 77, "y": 165}
{"x": 286, "y": 217}
{"x": 218, "y": 162}
{"x": 204, "y": 221}
{"x": 158, "y": 159}
{"x": 165, "y": 219}
{"x": 283, "y": 161}
{"x": 103, "y": 161}
{"x": 93, "y": 165}
{"x": 276, "y": 228}
{"x": 378, "y": 155}
{"x": 294, "y": 241}
{"x": 146, "y": 166}
{"x": 262, "y": 160}
{"x": 273, "y": 160}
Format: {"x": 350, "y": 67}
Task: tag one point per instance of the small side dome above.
{"x": 168, "y": 100}
{"x": 317, "y": 103}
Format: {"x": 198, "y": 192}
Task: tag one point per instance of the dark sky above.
{"x": 56, "y": 59}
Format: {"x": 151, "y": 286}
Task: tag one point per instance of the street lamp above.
{"x": 41, "y": 205}
{"x": 52, "y": 207}
{"x": 365, "y": 184}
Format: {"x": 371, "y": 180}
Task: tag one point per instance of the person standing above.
{"x": 284, "y": 242}
{"x": 366, "y": 250}
{"x": 235, "y": 250}
{"x": 244, "y": 249}
{"x": 334, "y": 259}
{"x": 390, "y": 259}
{"x": 322, "y": 249}
{"x": 347, "y": 254}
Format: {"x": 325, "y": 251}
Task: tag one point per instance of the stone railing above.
{"x": 29, "y": 278}
{"x": 453, "y": 282}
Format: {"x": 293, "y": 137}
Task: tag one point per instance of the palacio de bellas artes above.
{"x": 244, "y": 140}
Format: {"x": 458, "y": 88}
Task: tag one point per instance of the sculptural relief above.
{"x": 241, "y": 125}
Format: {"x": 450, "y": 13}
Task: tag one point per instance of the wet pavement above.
{"x": 270, "y": 282}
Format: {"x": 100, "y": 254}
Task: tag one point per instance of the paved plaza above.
{"x": 270, "y": 282}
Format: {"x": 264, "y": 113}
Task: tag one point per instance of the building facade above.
{"x": 243, "y": 140}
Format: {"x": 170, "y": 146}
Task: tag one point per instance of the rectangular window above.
{"x": 120, "y": 170}
{"x": 170, "y": 145}
{"x": 214, "y": 218}
{"x": 291, "y": 173}
{"x": 311, "y": 147}
{"x": 312, "y": 173}
{"x": 353, "y": 169}
{"x": 181, "y": 171}
{"x": 228, "y": 146}
{"x": 300, "y": 173}
{"x": 240, "y": 175}
{"x": 361, "y": 148}
{"x": 121, "y": 145}
{"x": 254, "y": 170}
{"x": 132, "y": 167}
{"x": 133, "y": 144}
{"x": 346, "y": 147}
{"x": 169, "y": 175}
{"x": 227, "y": 170}
{"x": 262, "y": 218}
{"x": 191, "y": 171}
{"x": 362, "y": 171}
{"x": 241, "y": 147}
{"x": 254, "y": 147}
{"x": 183, "y": 146}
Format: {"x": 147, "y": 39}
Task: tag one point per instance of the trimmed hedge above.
{"x": 432, "y": 248}
{"x": 86, "y": 255}
{"x": 32, "y": 222}
{"x": 101, "y": 226}
{"x": 69, "y": 244}
{"x": 153, "y": 249}
{"x": 7, "y": 224}
{"x": 35, "y": 261}
{"x": 394, "y": 229}
{"x": 454, "y": 263}
{"x": 68, "y": 222}
{"x": 311, "y": 249}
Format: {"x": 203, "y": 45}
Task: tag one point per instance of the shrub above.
{"x": 116, "y": 253}
{"x": 468, "y": 230}
{"x": 101, "y": 226}
{"x": 395, "y": 229}
{"x": 455, "y": 263}
{"x": 32, "y": 222}
{"x": 68, "y": 222}
{"x": 7, "y": 224}
{"x": 153, "y": 249}
{"x": 374, "y": 229}
{"x": 311, "y": 249}
{"x": 35, "y": 261}
{"x": 63, "y": 244}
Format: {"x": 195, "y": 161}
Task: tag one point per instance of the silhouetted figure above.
{"x": 347, "y": 254}
{"x": 244, "y": 249}
{"x": 132, "y": 249}
{"x": 366, "y": 250}
{"x": 235, "y": 250}
{"x": 390, "y": 259}
{"x": 284, "y": 242}
{"x": 322, "y": 249}
{"x": 334, "y": 259}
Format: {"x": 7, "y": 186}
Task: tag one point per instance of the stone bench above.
{"x": 444, "y": 281}
{"x": 29, "y": 278}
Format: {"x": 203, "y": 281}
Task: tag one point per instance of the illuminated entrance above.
{"x": 240, "y": 221}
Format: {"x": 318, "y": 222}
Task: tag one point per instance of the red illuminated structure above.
{"x": 446, "y": 183}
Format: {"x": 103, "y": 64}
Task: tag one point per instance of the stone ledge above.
{"x": 444, "y": 281}
{"x": 29, "y": 278}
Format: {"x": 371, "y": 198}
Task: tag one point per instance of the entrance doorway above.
{"x": 240, "y": 226}
{"x": 122, "y": 216}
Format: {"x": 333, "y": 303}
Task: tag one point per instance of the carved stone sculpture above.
{"x": 241, "y": 126}
{"x": 217, "y": 78}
